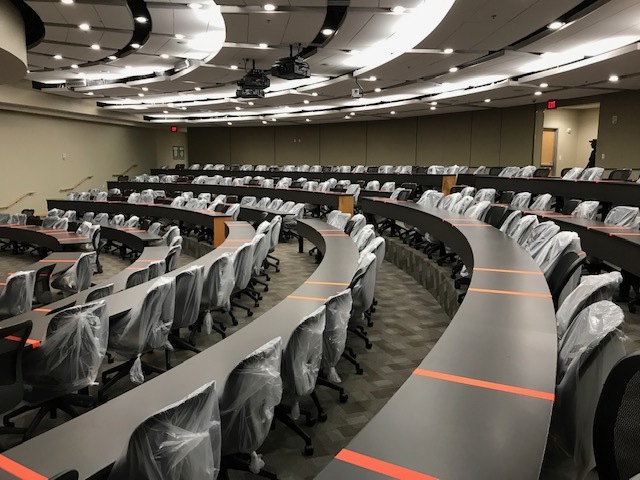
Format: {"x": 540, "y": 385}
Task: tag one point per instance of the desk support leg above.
{"x": 219, "y": 230}
{"x": 300, "y": 244}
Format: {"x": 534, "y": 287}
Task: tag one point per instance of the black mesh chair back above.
{"x": 372, "y": 169}
{"x": 42, "y": 290}
{"x": 13, "y": 339}
{"x": 338, "y": 188}
{"x": 234, "y": 167}
{"x": 496, "y": 214}
{"x": 564, "y": 171}
{"x": 456, "y": 189}
{"x": 616, "y": 430}
{"x": 297, "y": 185}
{"x": 253, "y": 181}
{"x": 349, "y": 227}
{"x": 621, "y": 174}
{"x": 232, "y": 199}
{"x": 506, "y": 197}
{"x": 494, "y": 171}
{"x": 179, "y": 166}
{"x": 410, "y": 186}
{"x": 562, "y": 272}
{"x": 421, "y": 170}
{"x": 542, "y": 172}
{"x": 570, "y": 205}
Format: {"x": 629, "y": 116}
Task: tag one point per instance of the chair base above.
{"x": 241, "y": 463}
{"x": 282, "y": 413}
{"x": 323, "y": 382}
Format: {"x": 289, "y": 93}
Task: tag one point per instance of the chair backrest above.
{"x": 248, "y": 201}
{"x": 430, "y": 198}
{"x": 540, "y": 235}
{"x": 449, "y": 201}
{"x": 524, "y": 229}
{"x": 189, "y": 289}
{"x": 363, "y": 286}
{"x": 170, "y": 234}
{"x": 616, "y": 435}
{"x": 17, "y": 296}
{"x": 364, "y": 237}
{"x": 592, "y": 289}
{"x": 41, "y": 290}
{"x": 260, "y": 247}
{"x": 357, "y": 222}
{"x": 84, "y": 229}
{"x": 542, "y": 172}
{"x": 623, "y": 217}
{"x": 378, "y": 247}
{"x": 157, "y": 268}
{"x": 587, "y": 209}
{"x": 543, "y": 202}
{"x": 477, "y": 210}
{"x": 263, "y": 202}
{"x": 621, "y": 174}
{"x": 243, "y": 265}
{"x": 219, "y": 283}
{"x": 388, "y": 187}
{"x": 462, "y": 204}
{"x": 303, "y": 354}
{"x": 373, "y": 185}
{"x": 61, "y": 224}
{"x": 138, "y": 277}
{"x": 509, "y": 171}
{"x": 178, "y": 202}
{"x": 50, "y": 221}
{"x": 495, "y": 215}
{"x": 572, "y": 174}
{"x": 100, "y": 292}
{"x": 549, "y": 255}
{"x": 527, "y": 171}
{"x": 171, "y": 260}
{"x": 276, "y": 226}
{"x": 506, "y": 196}
{"x": 252, "y": 391}
{"x": 567, "y": 265}
{"x": 485, "y": 194}
{"x": 521, "y": 200}
{"x": 511, "y": 223}
{"x": 146, "y": 326}
{"x": 338, "y": 309}
{"x": 11, "y": 378}
{"x": 72, "y": 352}
{"x": 592, "y": 174}
{"x": 133, "y": 222}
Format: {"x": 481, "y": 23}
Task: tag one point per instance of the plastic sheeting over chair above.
{"x": 248, "y": 201}
{"x": 302, "y": 357}
{"x": 509, "y": 171}
{"x": 362, "y": 287}
{"x": 521, "y": 200}
{"x": 78, "y": 277}
{"x": 357, "y": 222}
{"x": 540, "y": 236}
{"x": 252, "y": 391}
{"x": 364, "y": 237}
{"x": 334, "y": 337}
{"x": 189, "y": 289}
{"x": 592, "y": 346}
{"x": 429, "y": 198}
{"x": 527, "y": 171}
{"x": 17, "y": 296}
{"x": 217, "y": 288}
{"x": 478, "y": 210}
{"x": 72, "y": 352}
{"x": 548, "y": 256}
{"x": 573, "y": 173}
{"x": 542, "y": 203}
{"x": 623, "y": 217}
{"x": 462, "y": 205}
{"x": 485, "y": 194}
{"x": 592, "y": 288}
{"x": 587, "y": 209}
{"x": 510, "y": 224}
{"x": 591, "y": 174}
{"x": 525, "y": 226}
{"x": 337, "y": 219}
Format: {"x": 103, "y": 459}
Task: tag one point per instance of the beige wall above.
{"x": 165, "y": 141}
{"x": 33, "y": 147}
{"x": 487, "y": 137}
{"x": 620, "y": 142}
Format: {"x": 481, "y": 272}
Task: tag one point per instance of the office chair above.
{"x": 568, "y": 264}
{"x": 260, "y": 253}
{"x": 525, "y": 172}
{"x": 549, "y": 255}
{"x": 276, "y": 227}
{"x": 621, "y": 174}
{"x": 615, "y": 431}
{"x": 50, "y": 221}
{"x": 364, "y": 237}
{"x": 572, "y": 173}
{"x": 138, "y": 277}
{"x": 243, "y": 264}
{"x": 216, "y": 297}
{"x": 587, "y": 209}
{"x": 171, "y": 260}
{"x": 521, "y": 201}
{"x": 623, "y": 216}
{"x": 592, "y": 289}
{"x": 591, "y": 174}
{"x": 17, "y": 296}
{"x": 61, "y": 224}
{"x": 300, "y": 366}
{"x": 142, "y": 329}
{"x": 78, "y": 277}
{"x": 247, "y": 405}
{"x": 485, "y": 194}
{"x": 66, "y": 363}
{"x": 522, "y": 232}
{"x": 510, "y": 223}
{"x": 189, "y": 290}
{"x": 100, "y": 292}
{"x": 362, "y": 291}
{"x": 248, "y": 201}
{"x": 506, "y": 197}
{"x": 290, "y": 222}
{"x": 12, "y": 384}
{"x": 509, "y": 171}
{"x": 564, "y": 171}
{"x": 157, "y": 269}
{"x": 542, "y": 172}
{"x": 249, "y": 290}
{"x": 540, "y": 235}
{"x": 593, "y": 345}
{"x": 570, "y": 205}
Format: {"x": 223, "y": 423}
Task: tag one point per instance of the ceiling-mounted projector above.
{"x": 291, "y": 68}
{"x": 253, "y": 84}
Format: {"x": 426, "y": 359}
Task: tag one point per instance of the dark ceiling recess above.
{"x": 33, "y": 26}
{"x": 336, "y": 13}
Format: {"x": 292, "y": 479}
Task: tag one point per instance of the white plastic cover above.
{"x": 234, "y": 211}
{"x": 373, "y": 185}
{"x": 72, "y": 352}
{"x": 172, "y": 257}
{"x": 525, "y": 226}
{"x": 468, "y": 191}
{"x": 289, "y": 168}
{"x": 49, "y": 221}
{"x": 133, "y": 222}
{"x": 363, "y": 287}
{"x": 510, "y": 225}
{"x": 334, "y": 337}
{"x": 134, "y": 198}
{"x": 430, "y": 198}
{"x": 84, "y": 196}
{"x": 146, "y": 326}
{"x": 542, "y": 203}
{"x": 622, "y": 217}
{"x": 88, "y": 216}
{"x": 396, "y": 193}
{"x": 509, "y": 171}
{"x": 114, "y": 191}
{"x": 17, "y": 296}
{"x": 189, "y": 288}
{"x": 284, "y": 182}
{"x": 592, "y": 174}
{"x": 337, "y": 219}
{"x": 275, "y": 204}
{"x": 450, "y": 201}
{"x": 548, "y": 256}
{"x": 252, "y": 391}
{"x": 263, "y": 202}
{"x": 219, "y": 284}
{"x": 287, "y": 206}
{"x": 55, "y": 212}
{"x": 462, "y": 205}
{"x": 521, "y": 200}
{"x": 70, "y": 215}
{"x": 78, "y": 277}
{"x": 83, "y": 229}
{"x": 587, "y": 209}
{"x": 359, "y": 169}
{"x": 61, "y": 224}
{"x": 310, "y": 186}
{"x": 194, "y": 166}
{"x": 364, "y": 237}
{"x": 178, "y": 202}
{"x": 573, "y": 174}
{"x": 539, "y": 237}
{"x": 243, "y": 265}
{"x": 157, "y": 268}
{"x": 192, "y": 204}
{"x": 118, "y": 220}
{"x": 481, "y": 170}
{"x": 378, "y": 247}
{"x": 435, "y": 170}
{"x": 388, "y": 187}
{"x": 488, "y": 194}
{"x": 154, "y": 228}
{"x": 101, "y": 219}
{"x": 187, "y": 195}
{"x": 451, "y": 170}
{"x": 478, "y": 210}
{"x": 261, "y": 243}
{"x": 248, "y": 201}
{"x": 527, "y": 171}
{"x": 359, "y": 221}
{"x": 592, "y": 288}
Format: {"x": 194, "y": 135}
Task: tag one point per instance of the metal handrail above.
{"x": 77, "y": 184}
{"x": 125, "y": 172}
{"x": 28, "y": 194}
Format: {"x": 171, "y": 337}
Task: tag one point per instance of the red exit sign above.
{"x": 174, "y": 129}
{"x": 552, "y": 104}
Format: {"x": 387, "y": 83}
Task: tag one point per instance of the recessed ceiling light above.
{"x": 165, "y": 111}
{"x": 434, "y": 103}
{"x": 537, "y": 93}
{"x": 112, "y": 57}
{"x": 90, "y": 93}
{"x": 614, "y": 78}
{"x": 183, "y": 108}
{"x": 264, "y": 122}
{"x": 305, "y": 101}
{"x": 487, "y": 100}
{"x": 238, "y": 108}
{"x": 398, "y": 9}
{"x": 197, "y": 89}
{"x": 67, "y": 2}
{"x": 352, "y": 113}
{"x": 544, "y": 85}
{"x": 263, "y": 45}
{"x": 327, "y": 31}
{"x": 251, "y": 104}
{"x": 28, "y": 71}
{"x": 392, "y": 112}
{"x": 377, "y": 90}
{"x": 135, "y": 45}
{"x": 273, "y": 119}
{"x": 447, "y": 50}
{"x": 84, "y": 26}
{"x": 229, "y": 123}
{"x": 307, "y": 119}
{"x": 372, "y": 78}
{"x": 141, "y": 94}
{"x": 233, "y": 67}
{"x": 74, "y": 66}
{"x": 57, "y": 57}
{"x": 145, "y": 89}
{"x": 432, "y": 108}
{"x": 269, "y": 7}
{"x": 164, "y": 55}
{"x": 453, "y": 69}
{"x": 555, "y": 25}
{"x": 179, "y": 36}
{"x": 95, "y": 46}
{"x": 347, "y": 117}
{"x": 195, "y": 6}
{"x": 314, "y": 94}
{"x": 141, "y": 19}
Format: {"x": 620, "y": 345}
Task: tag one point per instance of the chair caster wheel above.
{"x": 249, "y": 314}
{"x": 223, "y": 335}
{"x": 256, "y": 304}
{"x": 322, "y": 417}
{"x": 632, "y": 309}
{"x": 369, "y": 345}
{"x": 311, "y": 421}
{"x": 359, "y": 371}
{"x": 343, "y": 398}
{"x": 266, "y": 289}
{"x": 308, "y": 450}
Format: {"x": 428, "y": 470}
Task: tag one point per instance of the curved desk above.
{"x": 338, "y": 200}
{"x": 205, "y": 218}
{"x": 479, "y": 405}
{"x": 134, "y": 238}
{"x": 93, "y": 441}
{"x": 605, "y": 191}
{"x": 51, "y": 239}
